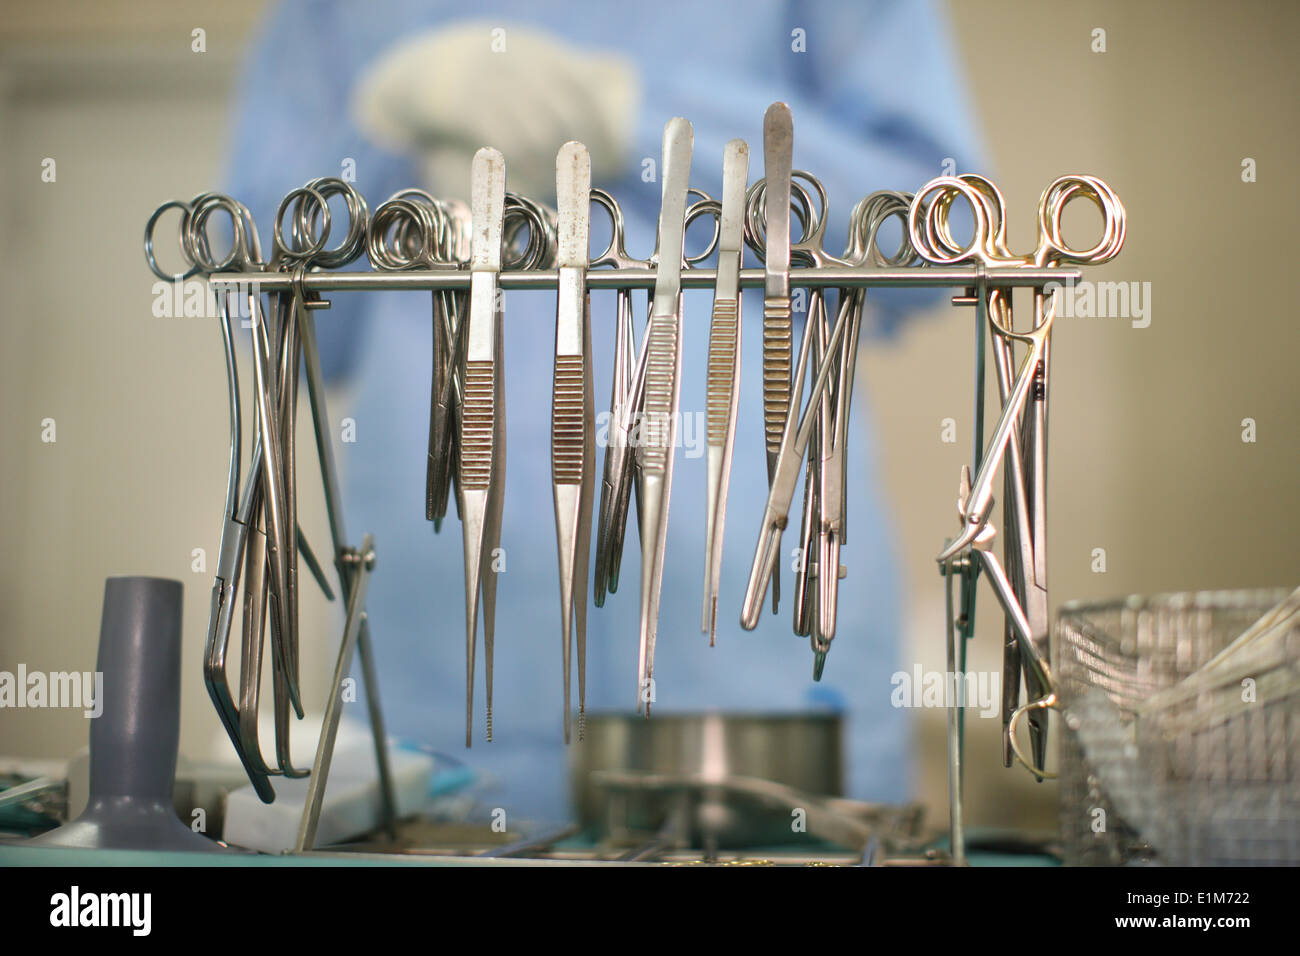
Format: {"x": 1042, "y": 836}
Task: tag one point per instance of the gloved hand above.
{"x": 445, "y": 93}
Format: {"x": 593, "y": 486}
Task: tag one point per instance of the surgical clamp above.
{"x": 1023, "y": 444}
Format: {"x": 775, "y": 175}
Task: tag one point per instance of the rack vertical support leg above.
{"x": 387, "y": 807}
{"x": 356, "y": 568}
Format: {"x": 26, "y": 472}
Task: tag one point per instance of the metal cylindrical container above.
{"x": 800, "y": 750}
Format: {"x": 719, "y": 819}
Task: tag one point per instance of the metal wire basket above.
{"x": 1181, "y": 744}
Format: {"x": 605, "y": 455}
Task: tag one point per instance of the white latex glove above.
{"x": 445, "y": 93}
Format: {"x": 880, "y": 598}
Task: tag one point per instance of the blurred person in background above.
{"x": 401, "y": 93}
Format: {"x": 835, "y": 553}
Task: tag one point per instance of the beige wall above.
{"x": 1147, "y": 458}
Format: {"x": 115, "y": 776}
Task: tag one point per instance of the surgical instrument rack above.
{"x": 466, "y": 256}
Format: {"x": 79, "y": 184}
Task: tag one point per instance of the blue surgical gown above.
{"x": 878, "y": 103}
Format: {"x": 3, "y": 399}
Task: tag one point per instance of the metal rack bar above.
{"x": 833, "y": 277}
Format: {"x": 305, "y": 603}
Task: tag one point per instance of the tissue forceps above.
{"x": 723, "y": 389}
{"x": 778, "y": 328}
{"x": 482, "y": 426}
{"x": 573, "y": 439}
{"x": 662, "y": 393}
{"x": 499, "y": 219}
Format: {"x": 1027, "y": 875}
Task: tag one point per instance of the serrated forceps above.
{"x": 482, "y": 450}
{"x": 778, "y": 327}
{"x": 658, "y": 432}
{"x": 722, "y": 392}
{"x": 573, "y": 439}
